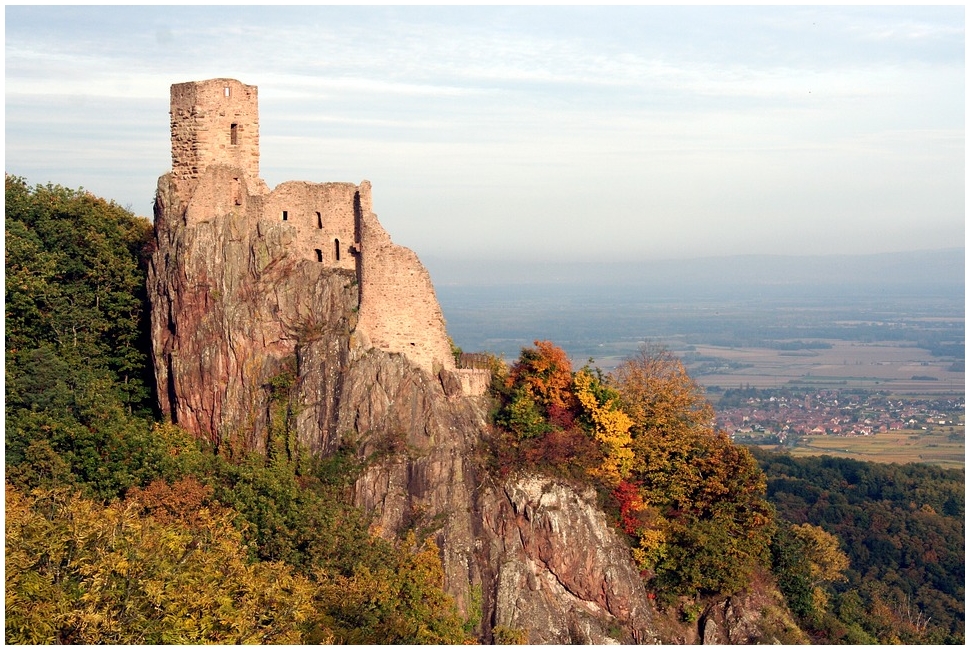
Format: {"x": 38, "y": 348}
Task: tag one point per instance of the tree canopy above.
{"x": 901, "y": 530}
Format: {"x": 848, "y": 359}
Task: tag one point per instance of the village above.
{"x": 778, "y": 415}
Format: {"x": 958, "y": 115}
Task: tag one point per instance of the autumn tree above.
{"x": 609, "y": 425}
{"x": 537, "y": 393}
{"x": 659, "y": 395}
{"x": 710, "y": 525}
{"x": 81, "y": 573}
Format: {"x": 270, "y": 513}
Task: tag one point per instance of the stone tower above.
{"x": 214, "y": 122}
{"x": 215, "y": 177}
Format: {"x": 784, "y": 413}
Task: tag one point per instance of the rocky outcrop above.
{"x": 557, "y": 569}
{"x": 752, "y": 616}
{"x": 230, "y": 307}
{"x": 234, "y": 312}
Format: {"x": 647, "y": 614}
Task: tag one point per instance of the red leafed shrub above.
{"x": 560, "y": 417}
{"x": 632, "y": 508}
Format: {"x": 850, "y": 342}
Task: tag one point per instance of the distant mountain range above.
{"x": 937, "y": 272}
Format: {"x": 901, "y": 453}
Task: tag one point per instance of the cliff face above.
{"x": 233, "y": 308}
{"x": 557, "y": 569}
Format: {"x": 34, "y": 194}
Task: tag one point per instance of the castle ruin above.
{"x": 215, "y": 171}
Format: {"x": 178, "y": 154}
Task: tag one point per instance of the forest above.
{"x": 902, "y": 528}
{"x": 121, "y": 528}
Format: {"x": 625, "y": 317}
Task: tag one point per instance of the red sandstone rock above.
{"x": 248, "y": 285}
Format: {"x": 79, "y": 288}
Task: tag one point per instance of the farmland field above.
{"x": 943, "y": 446}
{"x": 883, "y": 365}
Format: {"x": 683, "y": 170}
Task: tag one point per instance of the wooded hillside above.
{"x": 903, "y": 530}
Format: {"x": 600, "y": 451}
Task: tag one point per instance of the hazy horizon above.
{"x": 539, "y": 133}
{"x": 912, "y": 270}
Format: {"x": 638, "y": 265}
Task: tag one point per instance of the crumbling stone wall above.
{"x": 323, "y": 218}
{"x": 215, "y": 126}
{"x": 399, "y": 311}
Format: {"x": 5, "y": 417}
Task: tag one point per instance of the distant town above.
{"x": 773, "y": 416}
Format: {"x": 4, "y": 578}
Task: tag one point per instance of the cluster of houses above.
{"x": 780, "y": 414}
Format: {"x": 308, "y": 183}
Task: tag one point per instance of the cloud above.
{"x": 623, "y": 129}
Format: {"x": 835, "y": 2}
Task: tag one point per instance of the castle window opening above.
{"x": 233, "y": 134}
{"x": 336, "y": 249}
{"x": 319, "y": 220}
{"x": 285, "y": 215}
{"x": 226, "y": 90}
{"x": 319, "y": 254}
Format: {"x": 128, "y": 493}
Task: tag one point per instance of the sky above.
{"x": 540, "y": 133}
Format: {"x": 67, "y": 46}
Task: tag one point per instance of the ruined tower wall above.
{"x": 399, "y": 311}
{"x": 215, "y": 172}
{"x": 214, "y": 122}
{"x": 323, "y": 218}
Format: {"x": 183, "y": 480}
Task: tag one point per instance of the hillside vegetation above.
{"x": 692, "y": 502}
{"x": 121, "y": 529}
{"x": 124, "y": 529}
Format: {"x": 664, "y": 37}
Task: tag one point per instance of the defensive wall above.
{"x": 215, "y": 128}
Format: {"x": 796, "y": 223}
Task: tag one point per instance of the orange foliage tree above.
{"x": 712, "y": 525}
{"x": 537, "y": 394}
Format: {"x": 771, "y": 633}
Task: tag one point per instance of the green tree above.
{"x": 77, "y": 373}
{"x": 75, "y": 283}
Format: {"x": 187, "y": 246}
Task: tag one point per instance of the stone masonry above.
{"x": 215, "y": 170}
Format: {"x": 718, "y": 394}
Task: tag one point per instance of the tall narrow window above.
{"x": 285, "y": 215}
{"x": 319, "y": 220}
{"x": 233, "y": 134}
{"x": 319, "y": 254}
{"x": 226, "y": 90}
{"x": 336, "y": 249}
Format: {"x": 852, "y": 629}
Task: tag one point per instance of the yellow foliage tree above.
{"x": 610, "y": 426}
{"x": 82, "y": 573}
{"x": 657, "y": 392}
{"x": 78, "y": 572}
{"x": 825, "y": 559}
{"x": 401, "y": 602}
